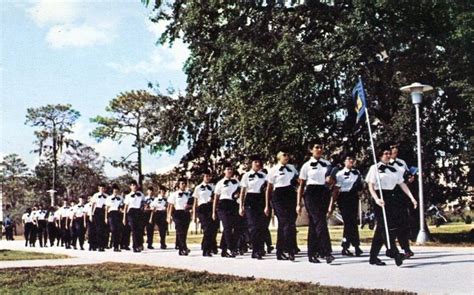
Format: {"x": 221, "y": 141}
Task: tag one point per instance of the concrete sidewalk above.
{"x": 433, "y": 270}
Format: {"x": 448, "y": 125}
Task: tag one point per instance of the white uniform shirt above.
{"x": 389, "y": 177}
{"x": 88, "y": 209}
{"x": 226, "y": 188}
{"x": 253, "y": 181}
{"x": 63, "y": 212}
{"x": 27, "y": 218}
{"x": 41, "y": 214}
{"x": 400, "y": 165}
{"x": 159, "y": 203}
{"x": 179, "y": 199}
{"x": 51, "y": 216}
{"x": 134, "y": 200}
{"x": 113, "y": 202}
{"x": 78, "y": 211}
{"x": 345, "y": 179}
{"x": 99, "y": 199}
{"x": 203, "y": 193}
{"x": 70, "y": 212}
{"x": 315, "y": 171}
{"x": 57, "y": 214}
{"x": 281, "y": 176}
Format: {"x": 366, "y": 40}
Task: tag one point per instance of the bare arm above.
{"x": 268, "y": 196}
{"x": 243, "y": 193}
{"x": 299, "y": 196}
{"x": 406, "y": 190}
{"x": 214, "y": 205}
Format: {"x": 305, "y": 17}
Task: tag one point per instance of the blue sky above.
{"x": 83, "y": 53}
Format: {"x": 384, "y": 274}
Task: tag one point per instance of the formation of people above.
{"x": 243, "y": 205}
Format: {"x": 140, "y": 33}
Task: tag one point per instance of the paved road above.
{"x": 433, "y": 270}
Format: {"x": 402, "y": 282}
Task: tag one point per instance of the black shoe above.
{"x": 270, "y": 249}
{"x": 101, "y": 250}
{"x": 117, "y": 250}
{"x": 291, "y": 256}
{"x": 82, "y": 248}
{"x": 150, "y": 247}
{"x": 358, "y": 251}
{"x": 136, "y": 250}
{"x": 257, "y": 256}
{"x": 227, "y": 254}
{"x": 313, "y": 259}
{"x": 75, "y": 248}
{"x": 281, "y": 256}
{"x": 408, "y": 254}
{"x": 346, "y": 252}
{"x": 215, "y": 251}
{"x": 125, "y": 248}
{"x": 376, "y": 261}
{"x": 399, "y": 259}
{"x": 235, "y": 253}
{"x": 297, "y": 250}
{"x": 206, "y": 253}
{"x": 329, "y": 259}
{"x": 163, "y": 247}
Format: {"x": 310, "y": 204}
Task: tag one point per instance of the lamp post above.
{"x": 3, "y": 166}
{"x": 51, "y": 194}
{"x": 416, "y": 91}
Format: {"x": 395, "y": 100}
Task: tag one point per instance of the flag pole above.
{"x": 377, "y": 175}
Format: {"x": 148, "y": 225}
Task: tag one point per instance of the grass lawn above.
{"x": 24, "y": 255}
{"x": 451, "y": 234}
{"x": 133, "y": 279}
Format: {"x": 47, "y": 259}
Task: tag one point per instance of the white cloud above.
{"x": 61, "y": 36}
{"x": 73, "y": 23}
{"x": 55, "y": 11}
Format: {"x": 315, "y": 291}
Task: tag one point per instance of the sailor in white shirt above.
{"x": 226, "y": 192}
{"x": 52, "y": 230}
{"x": 252, "y": 204}
{"x": 98, "y": 215}
{"x": 160, "y": 210}
{"x": 281, "y": 193}
{"x": 27, "y": 220}
{"x": 112, "y": 215}
{"x": 203, "y": 195}
{"x": 77, "y": 224}
{"x": 133, "y": 213}
{"x": 41, "y": 222}
{"x": 57, "y": 222}
{"x": 348, "y": 185}
{"x": 90, "y": 226}
{"x": 148, "y": 216}
{"x": 181, "y": 203}
{"x": 314, "y": 181}
{"x": 402, "y": 169}
{"x": 65, "y": 232}
{"x": 389, "y": 179}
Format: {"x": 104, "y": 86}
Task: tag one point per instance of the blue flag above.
{"x": 358, "y": 95}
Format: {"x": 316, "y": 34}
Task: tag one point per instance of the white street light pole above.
{"x": 416, "y": 90}
{"x": 3, "y": 166}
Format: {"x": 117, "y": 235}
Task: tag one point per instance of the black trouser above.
{"x": 135, "y": 217}
{"x": 65, "y": 233}
{"x": 115, "y": 225}
{"x": 9, "y": 232}
{"x": 404, "y": 230}
{"x": 228, "y": 211}
{"x": 393, "y": 212}
{"x": 160, "y": 220}
{"x": 78, "y": 232}
{"x": 204, "y": 212}
{"x": 100, "y": 227}
{"x": 182, "y": 219}
{"x": 149, "y": 227}
{"x": 52, "y": 232}
{"x": 91, "y": 234}
{"x": 316, "y": 200}
{"x": 284, "y": 204}
{"x": 348, "y": 203}
{"x": 42, "y": 233}
{"x": 254, "y": 211}
{"x": 28, "y": 233}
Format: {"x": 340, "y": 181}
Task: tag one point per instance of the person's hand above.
{"x": 106, "y": 222}
{"x": 168, "y": 219}
{"x": 241, "y": 211}
{"x": 90, "y": 218}
{"x": 213, "y": 215}
{"x": 298, "y": 209}
{"x": 267, "y": 211}
{"x": 380, "y": 202}
{"x": 124, "y": 222}
{"x": 411, "y": 178}
{"x": 330, "y": 210}
{"x": 415, "y": 203}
